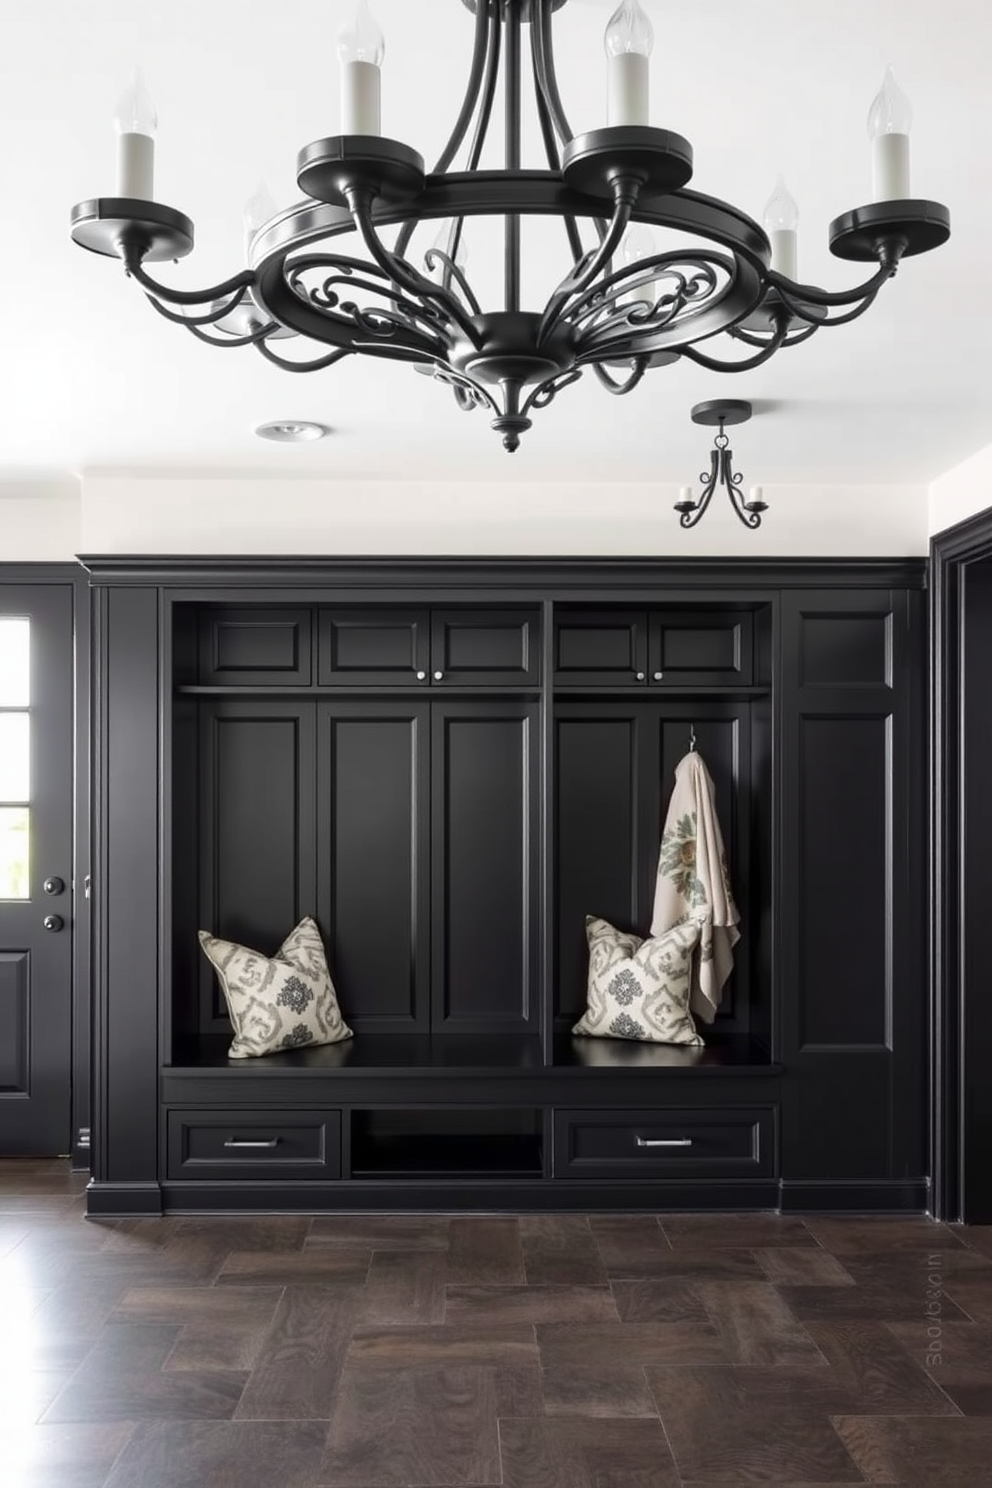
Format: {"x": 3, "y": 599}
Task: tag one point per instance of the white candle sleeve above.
{"x": 628, "y": 89}
{"x": 890, "y": 167}
{"x": 136, "y": 166}
{"x": 784, "y": 251}
{"x": 360, "y": 98}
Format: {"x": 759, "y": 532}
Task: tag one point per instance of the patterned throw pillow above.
{"x": 279, "y": 1002}
{"x": 639, "y": 989}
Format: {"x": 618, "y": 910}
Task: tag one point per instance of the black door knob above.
{"x": 53, "y": 922}
{"x": 54, "y": 885}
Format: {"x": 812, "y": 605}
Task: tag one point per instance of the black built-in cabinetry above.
{"x": 449, "y": 765}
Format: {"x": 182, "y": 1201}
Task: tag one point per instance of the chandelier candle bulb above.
{"x": 136, "y": 124}
{"x": 260, "y": 208}
{"x": 781, "y": 221}
{"x": 629, "y": 42}
{"x": 361, "y": 50}
{"x": 890, "y": 119}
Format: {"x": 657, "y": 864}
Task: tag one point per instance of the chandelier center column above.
{"x": 512, "y": 113}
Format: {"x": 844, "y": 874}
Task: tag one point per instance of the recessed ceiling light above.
{"x": 291, "y": 431}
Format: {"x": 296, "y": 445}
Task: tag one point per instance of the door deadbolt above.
{"x": 53, "y": 922}
{"x": 54, "y": 886}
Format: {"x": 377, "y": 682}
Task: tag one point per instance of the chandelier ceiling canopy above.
{"x": 339, "y": 272}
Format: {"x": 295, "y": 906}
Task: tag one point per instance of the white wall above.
{"x": 39, "y": 520}
{"x": 962, "y": 492}
{"x": 186, "y": 515}
{"x": 206, "y": 515}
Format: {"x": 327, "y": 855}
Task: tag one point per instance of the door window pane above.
{"x": 15, "y": 668}
{"x": 15, "y": 761}
{"x": 14, "y": 850}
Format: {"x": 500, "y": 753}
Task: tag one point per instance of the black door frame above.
{"x": 951, "y": 552}
{"x": 73, "y": 575}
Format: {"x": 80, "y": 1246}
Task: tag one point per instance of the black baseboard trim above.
{"x": 449, "y": 1198}
{"x": 123, "y": 1200}
{"x": 879, "y": 1196}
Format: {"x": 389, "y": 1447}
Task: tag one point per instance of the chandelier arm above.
{"x": 690, "y": 518}
{"x": 402, "y": 273}
{"x": 546, "y": 77}
{"x": 625, "y": 193}
{"x": 199, "y": 320}
{"x": 732, "y": 486}
{"x": 232, "y": 286}
{"x": 452, "y": 271}
{"x": 615, "y": 385}
{"x": 288, "y": 366}
{"x": 622, "y": 281}
{"x": 771, "y": 347}
{"x": 551, "y": 144}
{"x": 193, "y": 326}
{"x": 470, "y": 102}
{"x": 550, "y": 76}
{"x": 480, "y": 396}
{"x": 794, "y": 295}
{"x": 836, "y": 320}
{"x": 487, "y": 99}
{"x": 548, "y": 391}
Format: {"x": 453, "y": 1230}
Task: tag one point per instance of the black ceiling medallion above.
{"x": 337, "y": 269}
{"x": 716, "y": 414}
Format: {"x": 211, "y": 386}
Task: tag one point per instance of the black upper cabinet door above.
{"x": 373, "y": 647}
{"x": 593, "y": 648}
{"x": 485, "y": 648}
{"x": 485, "y": 866}
{"x": 255, "y": 647}
{"x": 700, "y": 650}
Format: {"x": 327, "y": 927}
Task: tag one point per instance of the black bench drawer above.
{"x": 254, "y": 1145}
{"x": 738, "y": 1142}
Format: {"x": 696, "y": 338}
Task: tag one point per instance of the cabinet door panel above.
{"x": 373, "y": 769}
{"x": 601, "y": 769}
{"x": 485, "y": 865}
{"x": 700, "y": 650}
{"x": 485, "y": 648}
{"x": 361, "y": 647}
{"x": 255, "y": 647}
{"x": 258, "y": 827}
{"x": 593, "y": 648}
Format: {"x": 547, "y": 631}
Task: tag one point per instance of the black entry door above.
{"x": 36, "y": 747}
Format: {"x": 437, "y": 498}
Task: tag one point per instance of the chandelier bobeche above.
{"x": 621, "y": 306}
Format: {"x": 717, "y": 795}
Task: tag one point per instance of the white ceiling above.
{"x": 93, "y": 380}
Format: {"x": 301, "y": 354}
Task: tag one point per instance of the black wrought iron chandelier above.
{"x": 621, "y": 306}
{"x": 716, "y": 414}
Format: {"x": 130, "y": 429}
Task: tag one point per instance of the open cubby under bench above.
{"x": 469, "y": 1121}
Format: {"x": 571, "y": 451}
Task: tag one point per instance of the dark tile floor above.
{"x": 415, "y": 1351}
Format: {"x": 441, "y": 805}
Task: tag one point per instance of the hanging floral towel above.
{"x": 693, "y": 883}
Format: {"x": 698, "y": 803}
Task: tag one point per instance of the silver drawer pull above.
{"x": 234, "y": 1142}
{"x": 663, "y": 1141}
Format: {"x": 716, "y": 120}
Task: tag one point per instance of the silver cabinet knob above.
{"x": 438, "y": 676}
{"x": 640, "y": 676}
{"x": 658, "y": 676}
{"x": 53, "y": 922}
{"x": 421, "y": 676}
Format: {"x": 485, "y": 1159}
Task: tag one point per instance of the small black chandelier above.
{"x": 717, "y": 414}
{"x": 621, "y": 306}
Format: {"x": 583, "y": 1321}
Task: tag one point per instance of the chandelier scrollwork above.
{"x": 615, "y": 310}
